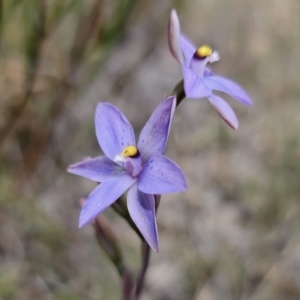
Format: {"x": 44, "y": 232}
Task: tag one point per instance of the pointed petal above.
{"x": 188, "y": 48}
{"x": 174, "y": 36}
{"x": 141, "y": 208}
{"x": 229, "y": 87}
{"x": 224, "y": 111}
{"x": 98, "y": 169}
{"x": 113, "y": 130}
{"x": 103, "y": 196}
{"x": 154, "y": 135}
{"x": 160, "y": 175}
{"x": 193, "y": 85}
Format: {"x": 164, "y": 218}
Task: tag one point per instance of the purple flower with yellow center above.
{"x": 198, "y": 80}
{"x": 139, "y": 168}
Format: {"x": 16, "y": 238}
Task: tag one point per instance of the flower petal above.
{"x": 113, "y": 130}
{"x": 103, "y": 196}
{"x": 160, "y": 175}
{"x": 98, "y": 169}
{"x": 229, "y": 87}
{"x": 141, "y": 208}
{"x": 193, "y": 85}
{"x": 154, "y": 135}
{"x": 188, "y": 48}
{"x": 174, "y": 36}
{"x": 224, "y": 111}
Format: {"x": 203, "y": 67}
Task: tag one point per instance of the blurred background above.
{"x": 235, "y": 234}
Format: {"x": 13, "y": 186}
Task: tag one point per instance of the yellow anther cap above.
{"x": 204, "y": 51}
{"x": 130, "y": 151}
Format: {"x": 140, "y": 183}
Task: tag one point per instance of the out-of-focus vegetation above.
{"x": 235, "y": 233}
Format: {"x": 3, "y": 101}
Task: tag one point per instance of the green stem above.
{"x": 179, "y": 92}
{"x": 145, "y": 263}
{"x": 108, "y": 241}
{"x": 120, "y": 207}
{"x": 111, "y": 248}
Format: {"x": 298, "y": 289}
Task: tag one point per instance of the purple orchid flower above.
{"x": 199, "y": 81}
{"x": 142, "y": 169}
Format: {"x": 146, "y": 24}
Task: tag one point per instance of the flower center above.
{"x": 130, "y": 151}
{"x": 131, "y": 160}
{"x": 202, "y": 56}
{"x": 203, "y": 51}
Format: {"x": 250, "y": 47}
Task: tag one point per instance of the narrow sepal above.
{"x": 224, "y": 110}
{"x": 174, "y": 36}
{"x": 141, "y": 208}
{"x": 188, "y": 48}
{"x": 229, "y": 87}
{"x": 161, "y": 175}
{"x": 113, "y": 130}
{"x": 103, "y": 196}
{"x": 154, "y": 135}
{"x": 98, "y": 169}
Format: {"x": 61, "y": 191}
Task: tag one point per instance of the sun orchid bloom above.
{"x": 199, "y": 81}
{"x": 140, "y": 167}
